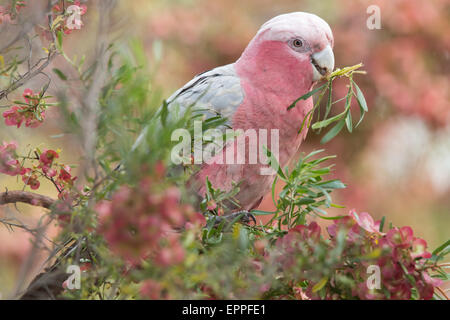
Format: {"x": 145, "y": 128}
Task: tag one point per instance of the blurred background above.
{"x": 396, "y": 163}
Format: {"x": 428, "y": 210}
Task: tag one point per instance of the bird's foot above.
{"x": 243, "y": 215}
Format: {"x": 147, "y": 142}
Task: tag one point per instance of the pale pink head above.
{"x": 291, "y": 43}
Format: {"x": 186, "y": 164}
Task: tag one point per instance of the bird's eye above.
{"x": 297, "y": 43}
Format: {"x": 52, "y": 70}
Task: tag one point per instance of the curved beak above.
{"x": 322, "y": 62}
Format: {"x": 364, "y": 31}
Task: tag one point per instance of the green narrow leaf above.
{"x": 360, "y": 97}
{"x": 330, "y": 99}
{"x": 361, "y": 115}
{"x": 307, "y": 95}
{"x": 382, "y": 223}
{"x": 60, "y": 74}
{"x": 348, "y": 121}
{"x": 312, "y": 154}
{"x": 274, "y": 163}
{"x": 209, "y": 188}
{"x": 273, "y": 190}
{"x": 348, "y": 98}
{"x": 164, "y": 112}
{"x": 262, "y": 213}
{"x": 319, "y": 285}
{"x": 333, "y": 132}
{"x": 332, "y": 184}
{"x": 329, "y": 218}
{"x": 303, "y": 201}
{"x": 441, "y": 247}
{"x": 326, "y": 122}
{"x": 305, "y": 119}
{"x": 59, "y": 36}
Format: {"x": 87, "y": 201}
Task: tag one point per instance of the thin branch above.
{"x": 34, "y": 231}
{"x": 26, "y": 197}
{"x": 37, "y": 68}
{"x": 27, "y": 76}
{"x": 442, "y": 292}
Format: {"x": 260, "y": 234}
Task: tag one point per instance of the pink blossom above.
{"x": 365, "y": 221}
{"x": 46, "y": 160}
{"x": 170, "y": 255}
{"x": 30, "y": 97}
{"x": 30, "y": 178}
{"x": 151, "y": 289}
{"x": 5, "y": 17}
{"x": 28, "y": 114}
{"x": 300, "y": 294}
{"x": 211, "y": 205}
{"x": 419, "y": 247}
{"x": 312, "y": 231}
{"x": 136, "y": 223}
{"x": 431, "y": 281}
{"x": 47, "y": 157}
{"x": 401, "y": 238}
{"x": 32, "y": 122}
{"x": 13, "y": 117}
{"x": 8, "y": 161}
{"x": 83, "y": 7}
{"x": 65, "y": 177}
{"x": 348, "y": 224}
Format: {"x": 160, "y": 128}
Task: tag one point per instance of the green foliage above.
{"x": 305, "y": 191}
{"x": 344, "y": 118}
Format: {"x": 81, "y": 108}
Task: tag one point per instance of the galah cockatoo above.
{"x": 288, "y": 55}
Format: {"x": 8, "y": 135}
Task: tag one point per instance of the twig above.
{"x": 32, "y": 256}
{"x": 27, "y": 76}
{"x": 36, "y": 68}
{"x": 442, "y": 292}
{"x": 11, "y": 225}
{"x": 26, "y": 197}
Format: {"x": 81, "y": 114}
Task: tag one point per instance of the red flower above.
{"x": 48, "y": 156}
{"x": 419, "y": 247}
{"x": 211, "y": 205}
{"x": 20, "y": 5}
{"x": 32, "y": 122}
{"x": 17, "y": 115}
{"x": 136, "y": 223}
{"x": 30, "y": 178}
{"x": 8, "y": 161}
{"x": 83, "y": 7}
{"x": 46, "y": 160}
{"x": 312, "y": 231}
{"x": 30, "y": 97}
{"x": 348, "y": 223}
{"x": 64, "y": 174}
{"x": 431, "y": 281}
{"x": 5, "y": 16}
{"x": 151, "y": 289}
{"x": 172, "y": 254}
{"x": 13, "y": 116}
{"x": 56, "y": 8}
{"x": 299, "y": 294}
{"x": 401, "y": 238}
{"x": 365, "y": 221}
{"x": 65, "y": 177}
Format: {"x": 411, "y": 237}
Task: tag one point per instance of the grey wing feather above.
{"x": 214, "y": 92}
